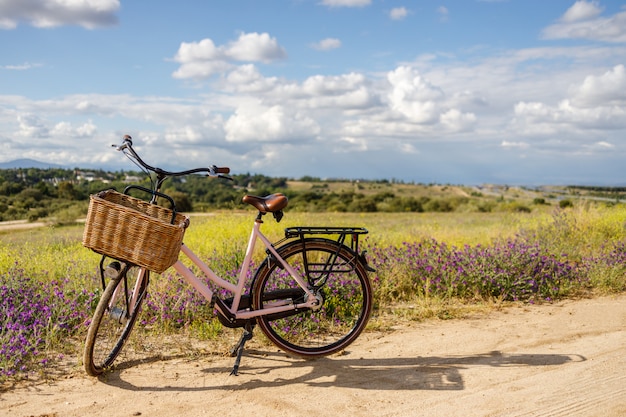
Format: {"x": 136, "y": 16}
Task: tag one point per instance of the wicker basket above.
{"x": 133, "y": 230}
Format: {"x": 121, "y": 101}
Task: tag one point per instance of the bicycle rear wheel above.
{"x": 339, "y": 281}
{"x": 114, "y": 317}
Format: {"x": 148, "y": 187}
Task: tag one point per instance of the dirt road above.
{"x": 567, "y": 359}
{"x": 19, "y": 225}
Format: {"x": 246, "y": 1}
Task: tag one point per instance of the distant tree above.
{"x": 9, "y": 188}
{"x": 66, "y": 190}
{"x": 183, "y": 204}
{"x": 30, "y": 193}
{"x": 364, "y": 204}
{"x": 307, "y": 178}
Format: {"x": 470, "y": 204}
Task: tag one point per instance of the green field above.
{"x": 440, "y": 265}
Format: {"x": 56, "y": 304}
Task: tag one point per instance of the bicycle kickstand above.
{"x": 238, "y": 349}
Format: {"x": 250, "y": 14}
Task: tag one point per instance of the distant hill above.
{"x": 28, "y": 163}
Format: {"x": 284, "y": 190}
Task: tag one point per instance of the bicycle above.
{"x": 311, "y": 295}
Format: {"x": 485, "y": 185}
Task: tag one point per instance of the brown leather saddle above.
{"x": 269, "y": 204}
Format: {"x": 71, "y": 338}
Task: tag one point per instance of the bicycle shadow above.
{"x": 443, "y": 373}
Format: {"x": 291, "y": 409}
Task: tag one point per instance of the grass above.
{"x": 428, "y": 265}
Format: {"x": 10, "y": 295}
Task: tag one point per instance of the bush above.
{"x": 516, "y": 207}
{"x": 36, "y": 214}
{"x": 183, "y": 204}
{"x": 512, "y": 270}
{"x": 70, "y": 214}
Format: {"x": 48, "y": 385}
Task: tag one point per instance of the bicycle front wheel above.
{"x": 114, "y": 317}
{"x": 339, "y": 281}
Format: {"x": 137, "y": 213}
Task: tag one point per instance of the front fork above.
{"x": 131, "y": 296}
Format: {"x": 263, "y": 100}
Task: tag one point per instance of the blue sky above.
{"x": 460, "y": 91}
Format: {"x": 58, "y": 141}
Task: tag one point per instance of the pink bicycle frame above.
{"x": 238, "y": 288}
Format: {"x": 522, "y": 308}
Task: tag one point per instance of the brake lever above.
{"x": 128, "y": 141}
{"x": 224, "y": 176}
{"x": 214, "y": 171}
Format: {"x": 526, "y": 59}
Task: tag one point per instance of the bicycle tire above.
{"x": 346, "y": 297}
{"x": 107, "y": 332}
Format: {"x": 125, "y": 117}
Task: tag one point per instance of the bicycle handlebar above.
{"x": 212, "y": 171}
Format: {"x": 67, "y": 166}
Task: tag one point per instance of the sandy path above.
{"x": 19, "y": 225}
{"x": 567, "y": 359}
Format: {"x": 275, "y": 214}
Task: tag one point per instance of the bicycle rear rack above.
{"x": 341, "y": 232}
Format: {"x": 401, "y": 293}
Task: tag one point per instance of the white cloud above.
{"x": 359, "y": 98}
{"x": 346, "y": 3}
{"x": 543, "y": 119}
{"x": 89, "y": 14}
{"x": 31, "y": 126}
{"x": 603, "y": 144}
{"x": 508, "y": 144}
{"x": 205, "y": 50}
{"x": 413, "y": 96}
{"x": 398, "y": 13}
{"x": 67, "y": 130}
{"x": 606, "y": 89}
{"x": 254, "y": 122}
{"x": 40, "y": 138}
{"x": 582, "y": 10}
{"x": 598, "y": 103}
{"x": 256, "y": 47}
{"x": 185, "y": 135}
{"x": 332, "y": 84}
{"x": 21, "y": 67}
{"x": 455, "y": 121}
{"x": 327, "y": 44}
{"x": 201, "y": 69}
{"x": 347, "y": 144}
{"x": 199, "y": 60}
{"x": 247, "y": 78}
{"x": 583, "y": 21}
{"x": 341, "y": 92}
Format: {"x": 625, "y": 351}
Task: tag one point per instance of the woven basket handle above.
{"x": 152, "y": 192}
